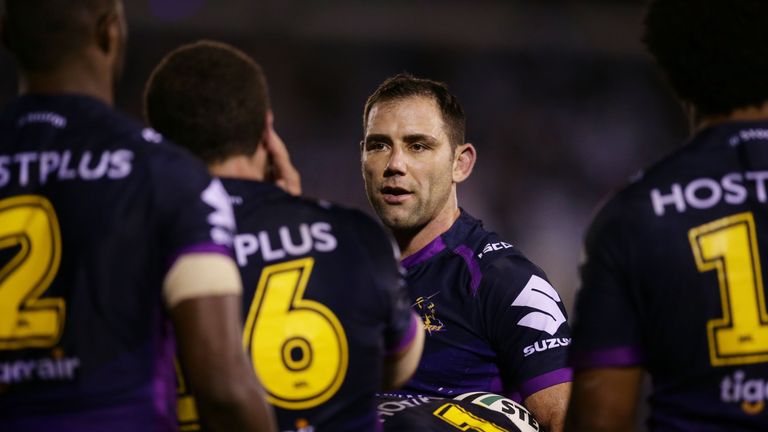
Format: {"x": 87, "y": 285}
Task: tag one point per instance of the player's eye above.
{"x": 418, "y": 147}
{"x": 375, "y": 146}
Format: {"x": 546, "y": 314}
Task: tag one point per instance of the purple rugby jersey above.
{"x": 673, "y": 283}
{"x": 93, "y": 212}
{"x": 493, "y": 321}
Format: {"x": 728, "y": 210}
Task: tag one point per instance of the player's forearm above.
{"x": 229, "y": 396}
{"x": 604, "y": 399}
{"x": 549, "y": 406}
{"x": 239, "y": 408}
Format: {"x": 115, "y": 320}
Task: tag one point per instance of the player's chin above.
{"x": 396, "y": 217}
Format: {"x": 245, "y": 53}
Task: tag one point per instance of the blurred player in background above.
{"x": 107, "y": 233}
{"x": 328, "y": 318}
{"x": 494, "y": 323}
{"x": 673, "y": 278}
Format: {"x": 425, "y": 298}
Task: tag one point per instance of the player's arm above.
{"x": 526, "y": 322}
{"x": 400, "y": 365}
{"x": 607, "y": 352}
{"x": 604, "y": 399}
{"x": 202, "y": 292}
{"x": 549, "y": 406}
{"x": 403, "y": 334}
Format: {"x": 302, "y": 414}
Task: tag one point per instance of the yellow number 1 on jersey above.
{"x": 729, "y": 245}
{"x": 27, "y": 321}
{"x": 297, "y": 346}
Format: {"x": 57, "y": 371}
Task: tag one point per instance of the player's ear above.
{"x": 464, "y": 158}
{"x": 109, "y": 32}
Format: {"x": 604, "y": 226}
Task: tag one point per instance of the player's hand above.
{"x": 283, "y": 173}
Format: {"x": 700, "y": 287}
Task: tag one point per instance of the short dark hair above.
{"x": 210, "y": 98}
{"x": 714, "y": 53}
{"x": 405, "y": 85}
{"x": 42, "y": 33}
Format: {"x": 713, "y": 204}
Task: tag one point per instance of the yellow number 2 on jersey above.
{"x": 26, "y": 320}
{"x": 297, "y": 346}
{"x": 729, "y": 245}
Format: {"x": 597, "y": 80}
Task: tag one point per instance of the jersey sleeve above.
{"x": 526, "y": 324}
{"x": 400, "y": 324}
{"x": 195, "y": 211}
{"x": 606, "y": 327}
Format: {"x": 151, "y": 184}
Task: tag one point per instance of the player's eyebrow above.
{"x": 378, "y": 138}
{"x": 429, "y": 139}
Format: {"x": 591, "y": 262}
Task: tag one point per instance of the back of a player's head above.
{"x": 210, "y": 98}
{"x": 713, "y": 52}
{"x": 43, "y": 33}
{"x": 403, "y": 86}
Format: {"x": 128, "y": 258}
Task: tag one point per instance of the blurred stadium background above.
{"x": 561, "y": 100}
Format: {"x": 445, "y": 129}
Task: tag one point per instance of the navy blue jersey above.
{"x": 493, "y": 321}
{"x": 93, "y": 212}
{"x": 673, "y": 282}
{"x": 324, "y": 302}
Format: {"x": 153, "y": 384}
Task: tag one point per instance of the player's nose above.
{"x": 396, "y": 164}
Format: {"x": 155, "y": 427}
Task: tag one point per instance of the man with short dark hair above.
{"x": 494, "y": 323}
{"x": 672, "y": 281}
{"x": 114, "y": 247}
{"x": 328, "y": 318}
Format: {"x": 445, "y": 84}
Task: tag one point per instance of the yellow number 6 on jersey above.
{"x": 298, "y": 347}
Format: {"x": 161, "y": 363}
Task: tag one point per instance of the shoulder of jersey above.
{"x": 488, "y": 246}
{"x": 496, "y": 257}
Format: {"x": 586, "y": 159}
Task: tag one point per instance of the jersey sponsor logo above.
{"x": 751, "y": 394}
{"x": 39, "y": 167}
{"x": 428, "y": 311}
{"x": 540, "y": 295}
{"x": 315, "y": 236}
{"x": 57, "y": 367}
{"x": 492, "y": 247}
{"x": 222, "y": 219}
{"x": 705, "y": 193}
{"x": 546, "y": 344}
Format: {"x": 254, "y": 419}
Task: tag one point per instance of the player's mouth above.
{"x": 395, "y": 195}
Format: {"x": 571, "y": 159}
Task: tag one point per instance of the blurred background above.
{"x": 562, "y": 102}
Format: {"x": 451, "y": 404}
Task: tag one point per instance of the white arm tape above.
{"x": 201, "y": 275}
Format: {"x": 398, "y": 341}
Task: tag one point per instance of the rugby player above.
{"x": 108, "y": 235}
{"x": 673, "y": 281}
{"x": 493, "y": 321}
{"x": 328, "y": 318}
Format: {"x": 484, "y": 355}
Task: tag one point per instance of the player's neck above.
{"x": 413, "y": 241}
{"x": 75, "y": 77}
{"x": 751, "y": 113}
{"x": 240, "y": 167}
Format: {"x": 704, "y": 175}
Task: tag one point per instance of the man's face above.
{"x": 407, "y": 162}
